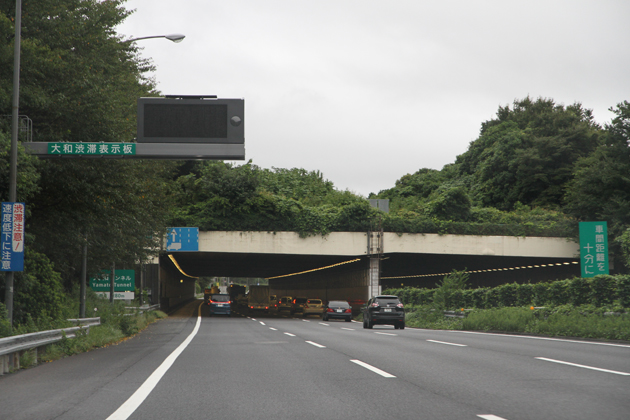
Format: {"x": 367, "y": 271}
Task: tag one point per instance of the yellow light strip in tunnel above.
{"x": 315, "y": 269}
{"x": 484, "y": 271}
{"x": 179, "y": 268}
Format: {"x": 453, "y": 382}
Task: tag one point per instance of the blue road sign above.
{"x": 12, "y": 243}
{"x": 182, "y": 239}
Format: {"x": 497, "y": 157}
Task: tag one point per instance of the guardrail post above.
{"x": 4, "y": 364}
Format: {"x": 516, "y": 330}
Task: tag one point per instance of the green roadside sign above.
{"x": 125, "y": 281}
{"x": 593, "y": 248}
{"x": 92, "y": 149}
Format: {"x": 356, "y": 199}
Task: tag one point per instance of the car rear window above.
{"x": 339, "y": 304}
{"x": 385, "y": 301}
{"x": 315, "y": 301}
{"x": 220, "y": 298}
{"x": 300, "y": 300}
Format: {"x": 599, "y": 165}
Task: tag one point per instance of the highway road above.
{"x": 192, "y": 366}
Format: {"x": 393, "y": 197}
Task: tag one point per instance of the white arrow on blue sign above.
{"x": 182, "y": 239}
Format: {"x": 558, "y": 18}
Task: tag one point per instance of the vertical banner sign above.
{"x": 13, "y": 220}
{"x": 593, "y": 248}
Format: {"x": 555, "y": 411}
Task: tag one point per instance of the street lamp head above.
{"x": 171, "y": 37}
{"x": 176, "y": 37}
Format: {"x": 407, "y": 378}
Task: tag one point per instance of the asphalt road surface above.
{"x": 193, "y": 366}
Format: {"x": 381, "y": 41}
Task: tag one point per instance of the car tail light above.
{"x": 348, "y": 311}
{"x": 400, "y": 305}
{"x": 329, "y": 310}
{"x": 306, "y": 305}
{"x": 375, "y": 305}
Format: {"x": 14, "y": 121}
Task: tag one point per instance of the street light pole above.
{"x": 8, "y": 294}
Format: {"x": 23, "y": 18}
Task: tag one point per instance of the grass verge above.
{"x": 111, "y": 332}
{"x": 582, "y": 321}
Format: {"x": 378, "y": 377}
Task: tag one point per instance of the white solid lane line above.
{"x": 530, "y": 337}
{"x": 583, "y": 366}
{"x": 447, "y": 343}
{"x": 316, "y": 345}
{"x": 373, "y": 369}
{"x": 124, "y": 411}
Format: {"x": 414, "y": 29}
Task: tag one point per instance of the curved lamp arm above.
{"x": 171, "y": 37}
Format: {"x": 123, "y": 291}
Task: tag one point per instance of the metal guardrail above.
{"x": 11, "y": 347}
{"x": 142, "y": 309}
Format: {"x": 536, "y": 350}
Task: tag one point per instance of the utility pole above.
{"x": 8, "y": 294}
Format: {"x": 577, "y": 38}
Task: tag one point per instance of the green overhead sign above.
{"x": 92, "y": 149}
{"x": 125, "y": 281}
{"x": 593, "y": 248}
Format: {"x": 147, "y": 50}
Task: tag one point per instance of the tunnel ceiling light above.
{"x": 481, "y": 271}
{"x": 315, "y": 269}
{"x": 179, "y": 268}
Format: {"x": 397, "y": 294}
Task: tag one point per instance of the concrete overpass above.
{"x": 356, "y": 265}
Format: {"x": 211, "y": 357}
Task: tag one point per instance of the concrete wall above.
{"x": 511, "y": 246}
{"x": 355, "y": 244}
{"x": 175, "y": 288}
{"x": 335, "y": 243}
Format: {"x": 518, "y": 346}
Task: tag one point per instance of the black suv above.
{"x": 384, "y": 310}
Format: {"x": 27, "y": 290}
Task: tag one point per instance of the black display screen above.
{"x": 186, "y": 121}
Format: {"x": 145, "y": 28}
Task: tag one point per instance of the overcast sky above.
{"x": 366, "y": 91}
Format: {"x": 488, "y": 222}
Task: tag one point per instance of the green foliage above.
{"x": 448, "y": 293}
{"x": 623, "y": 290}
{"x": 598, "y": 292}
{"x": 5, "y": 327}
{"x": 527, "y": 153}
{"x": 576, "y": 324}
{"x": 600, "y": 189}
{"x": 38, "y": 297}
{"x": 499, "y": 319}
{"x": 450, "y": 203}
{"x": 603, "y": 290}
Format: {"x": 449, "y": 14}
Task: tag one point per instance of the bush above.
{"x": 499, "y": 319}
{"x": 5, "y": 327}
{"x": 574, "y": 324}
{"x": 579, "y": 291}
{"x": 602, "y": 290}
{"x": 558, "y": 293}
{"x": 525, "y": 295}
{"x": 508, "y": 294}
{"x": 623, "y": 290}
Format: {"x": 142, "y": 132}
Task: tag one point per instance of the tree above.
{"x": 80, "y": 83}
{"x": 600, "y": 189}
{"x": 527, "y": 153}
